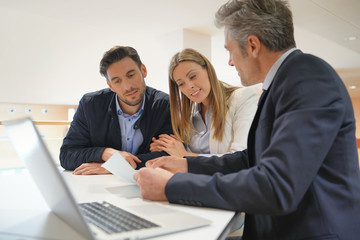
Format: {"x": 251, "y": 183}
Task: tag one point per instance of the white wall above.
{"x": 305, "y": 41}
{"x": 220, "y": 59}
{"x": 45, "y": 60}
{"x": 198, "y": 41}
{"x": 329, "y": 51}
{"x": 50, "y": 61}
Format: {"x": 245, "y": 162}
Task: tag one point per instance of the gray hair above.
{"x": 269, "y": 20}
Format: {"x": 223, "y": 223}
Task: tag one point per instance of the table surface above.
{"x": 24, "y": 213}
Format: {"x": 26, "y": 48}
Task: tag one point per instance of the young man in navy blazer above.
{"x": 299, "y": 177}
{"x": 122, "y": 118}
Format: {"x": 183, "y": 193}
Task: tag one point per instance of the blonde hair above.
{"x": 181, "y": 107}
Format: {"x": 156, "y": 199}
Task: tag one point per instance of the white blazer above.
{"x": 242, "y": 107}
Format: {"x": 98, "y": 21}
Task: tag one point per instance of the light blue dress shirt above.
{"x": 131, "y": 138}
{"x": 200, "y": 140}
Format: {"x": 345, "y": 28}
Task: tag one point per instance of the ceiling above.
{"x": 333, "y": 20}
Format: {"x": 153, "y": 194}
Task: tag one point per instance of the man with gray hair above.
{"x": 299, "y": 177}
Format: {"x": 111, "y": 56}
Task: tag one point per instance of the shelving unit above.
{"x": 51, "y": 121}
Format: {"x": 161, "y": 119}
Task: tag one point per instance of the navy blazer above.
{"x": 96, "y": 127}
{"x": 299, "y": 177}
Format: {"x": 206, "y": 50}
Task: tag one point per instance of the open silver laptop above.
{"x": 154, "y": 219}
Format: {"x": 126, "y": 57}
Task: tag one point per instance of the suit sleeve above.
{"x": 226, "y": 163}
{"x": 77, "y": 148}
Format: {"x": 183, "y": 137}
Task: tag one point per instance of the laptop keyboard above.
{"x": 112, "y": 219}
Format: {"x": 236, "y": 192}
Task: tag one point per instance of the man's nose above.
{"x": 127, "y": 85}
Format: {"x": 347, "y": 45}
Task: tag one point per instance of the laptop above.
{"x": 97, "y": 219}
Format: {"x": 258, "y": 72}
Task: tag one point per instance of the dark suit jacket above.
{"x": 299, "y": 177}
{"x": 96, "y": 127}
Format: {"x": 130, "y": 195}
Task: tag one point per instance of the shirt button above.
{"x": 128, "y": 139}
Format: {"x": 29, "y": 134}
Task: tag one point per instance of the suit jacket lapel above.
{"x": 255, "y": 122}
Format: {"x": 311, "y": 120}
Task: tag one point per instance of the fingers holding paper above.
{"x": 97, "y": 168}
{"x": 152, "y": 182}
{"x": 130, "y": 158}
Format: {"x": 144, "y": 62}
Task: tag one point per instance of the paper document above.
{"x": 118, "y": 166}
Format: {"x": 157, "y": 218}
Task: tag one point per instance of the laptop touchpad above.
{"x": 151, "y": 209}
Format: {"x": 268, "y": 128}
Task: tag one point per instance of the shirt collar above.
{"x": 270, "y": 75}
{"x": 121, "y": 113}
{"x": 197, "y": 108}
{"x": 197, "y": 112}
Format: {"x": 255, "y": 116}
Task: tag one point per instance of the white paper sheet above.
{"x": 118, "y": 166}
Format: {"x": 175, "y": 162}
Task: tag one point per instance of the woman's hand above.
{"x": 170, "y": 144}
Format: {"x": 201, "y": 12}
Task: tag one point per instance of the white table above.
{"x": 23, "y": 211}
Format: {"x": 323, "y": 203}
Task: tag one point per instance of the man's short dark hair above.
{"x": 116, "y": 54}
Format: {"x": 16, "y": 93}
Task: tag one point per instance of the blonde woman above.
{"x": 209, "y": 117}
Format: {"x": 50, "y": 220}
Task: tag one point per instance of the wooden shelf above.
{"x": 48, "y": 122}
{"x": 52, "y": 122}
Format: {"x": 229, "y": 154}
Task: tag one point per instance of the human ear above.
{"x": 254, "y": 45}
{"x": 143, "y": 70}
{"x": 109, "y": 84}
